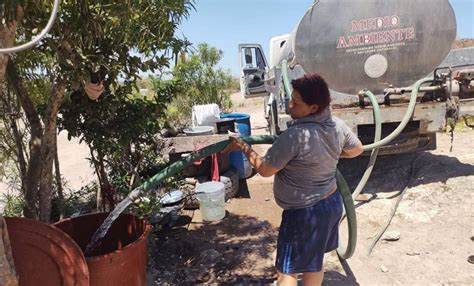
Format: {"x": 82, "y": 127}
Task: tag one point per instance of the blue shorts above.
{"x": 306, "y": 234}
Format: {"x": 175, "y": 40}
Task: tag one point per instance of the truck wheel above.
{"x": 230, "y": 179}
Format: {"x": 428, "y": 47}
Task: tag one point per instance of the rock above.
{"x": 384, "y": 268}
{"x": 190, "y": 275}
{"x": 267, "y": 199}
{"x": 413, "y": 253}
{"x": 391, "y": 236}
{"x": 191, "y": 181}
{"x": 210, "y": 257}
{"x": 470, "y": 259}
{"x": 364, "y": 197}
{"x": 332, "y": 262}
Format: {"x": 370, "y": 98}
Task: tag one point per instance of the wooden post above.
{"x": 7, "y": 267}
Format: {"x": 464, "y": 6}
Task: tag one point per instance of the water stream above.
{"x": 99, "y": 235}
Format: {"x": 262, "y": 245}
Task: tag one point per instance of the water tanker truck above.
{"x": 381, "y": 46}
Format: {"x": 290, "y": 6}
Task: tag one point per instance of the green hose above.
{"x": 346, "y": 253}
{"x": 342, "y": 251}
{"x": 375, "y": 151}
{"x": 347, "y": 198}
{"x": 406, "y": 118}
{"x": 200, "y": 154}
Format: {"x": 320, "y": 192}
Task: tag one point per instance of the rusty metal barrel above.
{"x": 371, "y": 44}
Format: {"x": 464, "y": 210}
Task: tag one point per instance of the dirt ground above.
{"x": 434, "y": 223}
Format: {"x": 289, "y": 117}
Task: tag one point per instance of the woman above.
{"x": 303, "y": 160}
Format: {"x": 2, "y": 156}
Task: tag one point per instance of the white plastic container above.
{"x": 199, "y": 131}
{"x": 211, "y": 197}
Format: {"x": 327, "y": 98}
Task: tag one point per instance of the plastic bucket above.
{"x": 211, "y": 197}
{"x": 237, "y": 159}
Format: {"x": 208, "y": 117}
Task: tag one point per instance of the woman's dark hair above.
{"x": 313, "y": 90}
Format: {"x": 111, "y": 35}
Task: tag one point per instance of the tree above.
{"x": 120, "y": 133}
{"x": 202, "y": 82}
{"x": 7, "y": 37}
{"x": 93, "y": 41}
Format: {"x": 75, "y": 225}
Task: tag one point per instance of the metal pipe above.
{"x": 36, "y": 39}
{"x": 286, "y": 81}
{"x": 403, "y": 90}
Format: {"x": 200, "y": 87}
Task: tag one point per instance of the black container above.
{"x": 224, "y": 125}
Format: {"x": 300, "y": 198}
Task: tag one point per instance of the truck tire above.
{"x": 230, "y": 179}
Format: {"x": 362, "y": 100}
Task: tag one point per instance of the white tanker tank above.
{"x": 360, "y": 44}
{"x": 366, "y": 44}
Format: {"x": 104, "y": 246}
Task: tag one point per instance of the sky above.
{"x": 225, "y": 24}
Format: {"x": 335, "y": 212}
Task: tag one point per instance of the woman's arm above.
{"x": 253, "y": 157}
{"x": 353, "y": 152}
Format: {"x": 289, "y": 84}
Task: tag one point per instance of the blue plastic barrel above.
{"x": 238, "y": 160}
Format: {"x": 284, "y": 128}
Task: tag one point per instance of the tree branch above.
{"x": 33, "y": 171}
{"x": 47, "y": 153}
{"x": 59, "y": 183}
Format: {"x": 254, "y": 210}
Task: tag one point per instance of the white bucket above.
{"x": 211, "y": 197}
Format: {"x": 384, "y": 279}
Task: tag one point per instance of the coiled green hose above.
{"x": 348, "y": 199}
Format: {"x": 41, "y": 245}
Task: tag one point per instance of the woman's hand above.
{"x": 236, "y": 144}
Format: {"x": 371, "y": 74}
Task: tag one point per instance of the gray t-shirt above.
{"x": 307, "y": 154}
